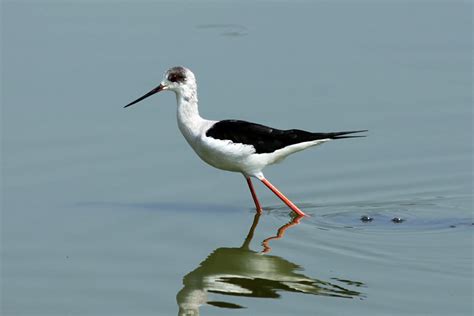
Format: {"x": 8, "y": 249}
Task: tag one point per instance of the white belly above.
{"x": 226, "y": 155}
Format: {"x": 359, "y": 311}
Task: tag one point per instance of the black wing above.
{"x": 266, "y": 139}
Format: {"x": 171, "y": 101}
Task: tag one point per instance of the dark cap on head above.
{"x": 177, "y": 74}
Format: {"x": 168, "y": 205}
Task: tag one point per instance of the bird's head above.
{"x": 179, "y": 79}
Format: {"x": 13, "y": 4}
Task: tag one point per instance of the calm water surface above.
{"x": 107, "y": 211}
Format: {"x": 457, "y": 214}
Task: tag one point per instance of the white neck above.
{"x": 189, "y": 120}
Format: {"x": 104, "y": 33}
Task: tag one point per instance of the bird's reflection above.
{"x": 244, "y": 272}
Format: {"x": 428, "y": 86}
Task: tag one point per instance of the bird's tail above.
{"x": 340, "y": 135}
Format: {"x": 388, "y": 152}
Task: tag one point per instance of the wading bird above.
{"x": 234, "y": 145}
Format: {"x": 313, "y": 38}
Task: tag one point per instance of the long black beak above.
{"x": 152, "y": 92}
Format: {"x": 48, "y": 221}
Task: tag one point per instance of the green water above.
{"x": 107, "y": 211}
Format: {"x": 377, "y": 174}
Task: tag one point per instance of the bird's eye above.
{"x": 175, "y": 77}
{"x": 172, "y": 77}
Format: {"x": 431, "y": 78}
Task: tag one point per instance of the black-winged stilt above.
{"x": 234, "y": 145}
{"x": 243, "y": 272}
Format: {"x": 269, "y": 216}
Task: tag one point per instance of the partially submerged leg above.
{"x": 280, "y": 233}
{"x": 283, "y": 198}
{"x": 249, "y": 237}
{"x": 254, "y": 195}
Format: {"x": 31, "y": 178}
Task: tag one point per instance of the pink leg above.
{"x": 254, "y": 195}
{"x": 280, "y": 233}
{"x": 283, "y": 198}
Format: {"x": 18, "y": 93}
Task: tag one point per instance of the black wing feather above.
{"x": 266, "y": 139}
